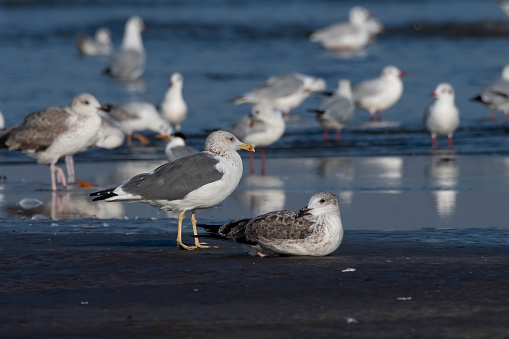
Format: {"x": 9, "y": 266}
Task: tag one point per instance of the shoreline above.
{"x": 136, "y": 285}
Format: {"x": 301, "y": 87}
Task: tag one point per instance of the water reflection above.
{"x": 444, "y": 173}
{"x": 262, "y": 193}
{"x": 340, "y": 168}
{"x": 387, "y": 172}
{"x": 66, "y": 205}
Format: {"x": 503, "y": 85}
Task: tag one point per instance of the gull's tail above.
{"x": 104, "y": 194}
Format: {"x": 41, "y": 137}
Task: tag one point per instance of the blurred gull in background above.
{"x": 495, "y": 96}
{"x": 173, "y": 108}
{"x": 99, "y": 45}
{"x": 377, "y": 95}
{"x": 336, "y": 110}
{"x": 442, "y": 117}
{"x": 176, "y": 147}
{"x": 128, "y": 63}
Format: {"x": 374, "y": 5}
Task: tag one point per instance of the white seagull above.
{"x": 128, "y": 63}
{"x": 99, "y": 45}
{"x": 55, "y": 132}
{"x": 336, "y": 110}
{"x": 261, "y": 128}
{"x": 176, "y": 147}
{"x": 348, "y": 36}
{"x": 138, "y": 116}
{"x": 316, "y": 230}
{"x": 442, "y": 117}
{"x": 377, "y": 95}
{"x": 283, "y": 92}
{"x": 495, "y": 96}
{"x": 173, "y": 108}
{"x": 191, "y": 183}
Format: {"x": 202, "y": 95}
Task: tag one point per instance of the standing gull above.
{"x": 348, "y": 36}
{"x": 284, "y": 91}
{"x": 55, "y": 132}
{"x": 377, "y": 95}
{"x": 442, "y": 116}
{"x": 191, "y": 183}
{"x": 261, "y": 128}
{"x": 99, "y": 45}
{"x": 495, "y": 96}
{"x": 128, "y": 63}
{"x": 316, "y": 230}
{"x": 173, "y": 108}
{"x": 336, "y": 110}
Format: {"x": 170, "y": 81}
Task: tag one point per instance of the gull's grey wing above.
{"x": 175, "y": 180}
{"x": 182, "y": 151}
{"x": 127, "y": 64}
{"x": 278, "y": 86}
{"x": 338, "y": 108}
{"x": 38, "y": 130}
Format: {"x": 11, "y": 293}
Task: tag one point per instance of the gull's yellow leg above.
{"x": 179, "y": 234}
{"x": 196, "y": 240}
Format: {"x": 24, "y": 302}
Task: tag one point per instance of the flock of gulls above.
{"x": 194, "y": 180}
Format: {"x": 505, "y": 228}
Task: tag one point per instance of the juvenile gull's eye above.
{"x": 322, "y": 201}
{"x": 86, "y": 102}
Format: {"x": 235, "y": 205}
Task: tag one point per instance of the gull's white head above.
{"x": 176, "y": 79}
{"x": 135, "y": 23}
{"x": 321, "y": 203}
{"x": 443, "y": 91}
{"x": 392, "y": 72}
{"x": 505, "y": 73}
{"x": 358, "y": 15}
{"x": 85, "y": 104}
{"x": 103, "y": 35}
{"x": 264, "y": 113}
{"x": 344, "y": 88}
{"x": 223, "y": 143}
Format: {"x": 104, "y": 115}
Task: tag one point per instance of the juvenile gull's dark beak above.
{"x": 304, "y": 211}
{"x": 106, "y": 107}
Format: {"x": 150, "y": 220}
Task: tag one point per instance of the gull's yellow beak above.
{"x": 247, "y": 147}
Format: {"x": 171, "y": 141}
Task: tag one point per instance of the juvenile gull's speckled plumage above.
{"x": 191, "y": 183}
{"x": 55, "y": 132}
{"x": 316, "y": 230}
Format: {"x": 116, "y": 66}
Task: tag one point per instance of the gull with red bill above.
{"x": 442, "y": 117}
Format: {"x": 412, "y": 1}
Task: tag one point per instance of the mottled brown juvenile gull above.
{"x": 128, "y": 63}
{"x": 191, "y": 183}
{"x": 55, "y": 132}
{"x": 316, "y": 230}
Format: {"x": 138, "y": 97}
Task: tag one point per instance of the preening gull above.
{"x": 99, "y": 45}
{"x": 173, "y": 108}
{"x": 176, "y": 147}
{"x": 316, "y": 230}
{"x": 138, "y": 116}
{"x": 495, "y": 96}
{"x": 442, "y": 117}
{"x": 128, "y": 63}
{"x": 377, "y": 95}
{"x": 198, "y": 181}
{"x": 336, "y": 110}
{"x": 261, "y": 128}
{"x": 55, "y": 132}
{"x": 284, "y": 91}
{"x": 348, "y": 36}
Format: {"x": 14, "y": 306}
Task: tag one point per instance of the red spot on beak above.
{"x": 251, "y": 124}
{"x": 434, "y": 95}
{"x": 402, "y": 74}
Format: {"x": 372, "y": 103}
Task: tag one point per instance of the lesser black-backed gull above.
{"x": 198, "y": 181}
{"x": 55, "y": 132}
{"x": 315, "y": 230}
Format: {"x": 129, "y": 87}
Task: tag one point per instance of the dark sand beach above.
{"x": 117, "y": 286}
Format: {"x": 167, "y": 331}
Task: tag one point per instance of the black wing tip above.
{"x": 104, "y": 194}
{"x": 476, "y": 98}
{"x": 316, "y": 111}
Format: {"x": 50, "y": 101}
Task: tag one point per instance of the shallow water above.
{"x": 386, "y": 175}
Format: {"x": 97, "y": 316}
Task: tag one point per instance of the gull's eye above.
{"x": 232, "y": 138}
{"x": 86, "y": 102}
{"x": 322, "y": 201}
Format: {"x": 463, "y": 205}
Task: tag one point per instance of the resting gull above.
{"x": 173, "y": 108}
{"x": 198, "y": 181}
{"x": 347, "y": 36}
{"x": 128, "y": 63}
{"x": 261, "y": 128}
{"x": 495, "y": 96}
{"x": 138, "y": 116}
{"x": 284, "y": 91}
{"x": 316, "y": 230}
{"x": 55, "y": 132}
{"x": 442, "y": 116}
{"x": 336, "y": 110}
{"x": 176, "y": 147}
{"x": 377, "y": 95}
{"x": 99, "y": 45}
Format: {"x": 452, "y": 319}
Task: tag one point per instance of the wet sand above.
{"x": 117, "y": 285}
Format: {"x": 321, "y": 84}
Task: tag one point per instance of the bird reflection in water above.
{"x": 443, "y": 174}
{"x": 263, "y": 193}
